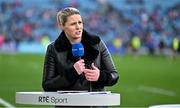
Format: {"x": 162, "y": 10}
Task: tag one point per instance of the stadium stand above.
{"x": 23, "y": 23}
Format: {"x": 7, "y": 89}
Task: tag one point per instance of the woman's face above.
{"x": 73, "y": 28}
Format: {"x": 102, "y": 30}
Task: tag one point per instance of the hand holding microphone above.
{"x": 79, "y": 66}
{"x": 91, "y": 74}
{"x": 78, "y": 52}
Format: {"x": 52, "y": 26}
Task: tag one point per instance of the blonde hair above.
{"x": 64, "y": 13}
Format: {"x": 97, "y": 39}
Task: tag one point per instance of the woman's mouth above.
{"x": 78, "y": 32}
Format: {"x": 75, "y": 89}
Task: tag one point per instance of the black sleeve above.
{"x": 52, "y": 80}
{"x": 108, "y": 73}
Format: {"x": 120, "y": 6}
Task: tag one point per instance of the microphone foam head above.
{"x": 77, "y": 50}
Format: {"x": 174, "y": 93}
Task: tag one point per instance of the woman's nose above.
{"x": 78, "y": 26}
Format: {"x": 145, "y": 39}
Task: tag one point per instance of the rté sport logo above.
{"x": 48, "y": 99}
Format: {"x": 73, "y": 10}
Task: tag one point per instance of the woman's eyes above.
{"x": 80, "y": 22}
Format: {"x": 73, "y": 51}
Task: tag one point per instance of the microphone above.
{"x": 78, "y": 50}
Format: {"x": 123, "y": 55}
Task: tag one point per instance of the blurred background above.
{"x": 142, "y": 36}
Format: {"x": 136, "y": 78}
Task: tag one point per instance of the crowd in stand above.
{"x": 34, "y": 21}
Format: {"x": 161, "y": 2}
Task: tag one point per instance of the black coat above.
{"x": 59, "y": 73}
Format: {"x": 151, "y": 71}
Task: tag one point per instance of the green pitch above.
{"x": 144, "y": 80}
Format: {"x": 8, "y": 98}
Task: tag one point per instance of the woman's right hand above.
{"x": 79, "y": 66}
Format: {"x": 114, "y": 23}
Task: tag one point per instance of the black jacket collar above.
{"x": 63, "y": 44}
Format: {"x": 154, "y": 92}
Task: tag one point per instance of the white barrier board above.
{"x": 68, "y": 99}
